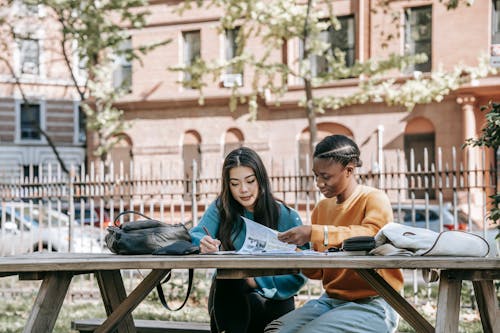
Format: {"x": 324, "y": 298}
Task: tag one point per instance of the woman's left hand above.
{"x": 251, "y": 283}
{"x": 299, "y": 235}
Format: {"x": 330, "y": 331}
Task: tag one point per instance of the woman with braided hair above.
{"x": 349, "y": 304}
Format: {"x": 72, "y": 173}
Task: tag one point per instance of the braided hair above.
{"x": 338, "y": 148}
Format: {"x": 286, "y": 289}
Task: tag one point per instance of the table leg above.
{"x": 113, "y": 293}
{"x": 133, "y": 300}
{"x": 487, "y": 305}
{"x": 48, "y": 302}
{"x": 398, "y": 302}
{"x": 448, "y": 306}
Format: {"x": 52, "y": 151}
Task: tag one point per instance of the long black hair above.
{"x": 266, "y": 210}
{"x": 338, "y": 148}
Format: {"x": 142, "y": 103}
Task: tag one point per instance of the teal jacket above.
{"x": 277, "y": 287}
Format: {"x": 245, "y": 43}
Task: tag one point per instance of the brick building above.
{"x": 168, "y": 125}
{"x": 45, "y": 99}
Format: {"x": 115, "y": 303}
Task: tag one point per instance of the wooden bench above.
{"x": 146, "y": 326}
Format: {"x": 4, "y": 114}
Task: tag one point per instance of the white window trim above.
{"x": 39, "y": 36}
{"x": 43, "y": 106}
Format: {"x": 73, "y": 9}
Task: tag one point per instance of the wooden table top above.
{"x": 43, "y": 262}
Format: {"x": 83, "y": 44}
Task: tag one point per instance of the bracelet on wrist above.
{"x": 325, "y": 236}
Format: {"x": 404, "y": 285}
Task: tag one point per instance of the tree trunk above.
{"x": 310, "y": 109}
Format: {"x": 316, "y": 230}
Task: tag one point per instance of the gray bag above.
{"x": 143, "y": 236}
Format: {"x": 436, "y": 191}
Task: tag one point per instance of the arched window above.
{"x": 233, "y": 139}
{"x": 191, "y": 150}
{"x": 122, "y": 153}
{"x": 420, "y": 136}
{"x": 324, "y": 129}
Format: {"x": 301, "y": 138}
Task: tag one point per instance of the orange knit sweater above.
{"x": 362, "y": 214}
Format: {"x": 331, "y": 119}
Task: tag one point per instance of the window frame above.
{"x": 34, "y": 168}
{"x": 231, "y": 47}
{"x": 122, "y": 75}
{"x": 328, "y": 35}
{"x": 410, "y": 49}
{"x": 350, "y": 21}
{"x": 495, "y": 22}
{"x": 42, "y": 113}
{"x": 188, "y": 51}
{"x": 77, "y": 128}
{"x": 22, "y": 61}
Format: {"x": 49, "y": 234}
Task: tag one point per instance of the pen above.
{"x": 206, "y": 231}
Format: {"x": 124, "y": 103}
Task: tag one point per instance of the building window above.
{"x": 232, "y": 140}
{"x": 191, "y": 48}
{"x": 419, "y": 148}
{"x": 30, "y": 171}
{"x": 30, "y": 121}
{"x": 418, "y": 35}
{"x": 495, "y": 22}
{"x": 82, "y": 125}
{"x": 342, "y": 40}
{"x": 122, "y": 76}
{"x": 29, "y": 56}
{"x": 31, "y": 9}
{"x": 234, "y": 73}
{"x": 191, "y": 151}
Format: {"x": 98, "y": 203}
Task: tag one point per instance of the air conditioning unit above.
{"x": 232, "y": 80}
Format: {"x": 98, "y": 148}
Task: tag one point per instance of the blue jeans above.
{"x": 330, "y": 315}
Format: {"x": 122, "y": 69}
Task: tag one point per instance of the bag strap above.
{"x": 161, "y": 295}
{"x": 128, "y": 212}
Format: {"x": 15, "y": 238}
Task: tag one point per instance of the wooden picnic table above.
{"x": 57, "y": 270}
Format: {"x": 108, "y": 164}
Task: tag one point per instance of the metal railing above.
{"x": 93, "y": 198}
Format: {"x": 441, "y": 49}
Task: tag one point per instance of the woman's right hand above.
{"x": 209, "y": 245}
{"x": 299, "y": 235}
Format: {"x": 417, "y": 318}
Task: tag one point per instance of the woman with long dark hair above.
{"x": 245, "y": 305}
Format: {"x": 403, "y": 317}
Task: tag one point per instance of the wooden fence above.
{"x": 150, "y": 188}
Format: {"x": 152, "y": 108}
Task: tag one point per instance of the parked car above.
{"x": 415, "y": 216}
{"x": 89, "y": 216}
{"x": 27, "y": 229}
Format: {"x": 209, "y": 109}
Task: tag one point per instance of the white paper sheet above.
{"x": 260, "y": 239}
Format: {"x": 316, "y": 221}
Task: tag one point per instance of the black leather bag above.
{"x": 143, "y": 236}
{"x": 152, "y": 237}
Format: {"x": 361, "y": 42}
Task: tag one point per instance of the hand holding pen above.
{"x": 209, "y": 244}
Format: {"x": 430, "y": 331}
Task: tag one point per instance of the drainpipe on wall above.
{"x": 380, "y": 154}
